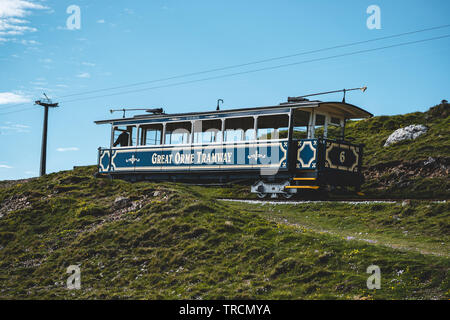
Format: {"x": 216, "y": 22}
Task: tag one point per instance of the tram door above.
{"x": 148, "y": 151}
{"x": 123, "y": 149}
{"x": 239, "y": 143}
{"x": 304, "y": 146}
{"x": 272, "y": 136}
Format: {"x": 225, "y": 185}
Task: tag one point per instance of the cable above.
{"x": 247, "y": 64}
{"x": 13, "y": 106}
{"x": 259, "y": 61}
{"x": 261, "y": 69}
{"x": 15, "y": 111}
{"x": 250, "y": 71}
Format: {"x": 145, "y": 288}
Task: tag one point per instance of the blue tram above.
{"x": 280, "y": 150}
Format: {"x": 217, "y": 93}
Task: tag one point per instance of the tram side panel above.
{"x": 342, "y": 163}
{"x": 117, "y": 160}
{"x": 331, "y": 162}
{"x": 264, "y": 158}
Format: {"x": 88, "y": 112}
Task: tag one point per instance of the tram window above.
{"x": 207, "y": 131}
{"x": 150, "y": 135}
{"x": 334, "y": 128}
{"x": 335, "y": 121}
{"x": 124, "y": 136}
{"x": 178, "y": 133}
{"x": 239, "y": 129}
{"x": 320, "y": 127}
{"x": 300, "y": 124}
{"x": 273, "y": 127}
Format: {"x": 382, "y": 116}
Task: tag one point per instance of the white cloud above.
{"x": 67, "y": 149}
{"x": 101, "y": 21}
{"x": 14, "y": 128}
{"x": 17, "y": 8}
{"x": 88, "y": 64}
{"x": 5, "y": 166}
{"x": 11, "y": 14}
{"x": 8, "y": 29}
{"x": 21, "y": 126}
{"x": 10, "y": 97}
{"x": 27, "y": 42}
{"x": 38, "y": 83}
{"x": 84, "y": 75}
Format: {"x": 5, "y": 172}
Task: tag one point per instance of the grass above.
{"x": 373, "y": 133}
{"x": 411, "y": 181}
{"x": 420, "y": 226}
{"x": 173, "y": 241}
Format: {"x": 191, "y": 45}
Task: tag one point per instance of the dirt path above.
{"x": 349, "y": 236}
{"x": 379, "y": 242}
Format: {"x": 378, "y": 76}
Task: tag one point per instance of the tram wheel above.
{"x": 287, "y": 195}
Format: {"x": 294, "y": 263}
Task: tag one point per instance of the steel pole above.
{"x": 44, "y": 143}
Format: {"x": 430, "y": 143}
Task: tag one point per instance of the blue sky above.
{"x": 125, "y": 42}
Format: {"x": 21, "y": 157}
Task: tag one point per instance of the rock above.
{"x": 429, "y": 161}
{"x": 156, "y": 193}
{"x": 121, "y": 202}
{"x": 14, "y": 203}
{"x": 407, "y": 133}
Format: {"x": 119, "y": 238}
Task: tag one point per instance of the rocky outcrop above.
{"x": 407, "y": 133}
{"x": 14, "y": 203}
{"x": 401, "y": 174}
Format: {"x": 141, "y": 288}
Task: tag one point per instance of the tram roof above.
{"x": 345, "y": 110}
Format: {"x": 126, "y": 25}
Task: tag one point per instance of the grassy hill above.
{"x": 373, "y": 132}
{"x": 408, "y": 169}
{"x": 172, "y": 241}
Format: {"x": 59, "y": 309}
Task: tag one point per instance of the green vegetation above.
{"x": 422, "y": 226}
{"x": 172, "y": 241}
{"x": 373, "y": 133}
{"x": 401, "y": 170}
